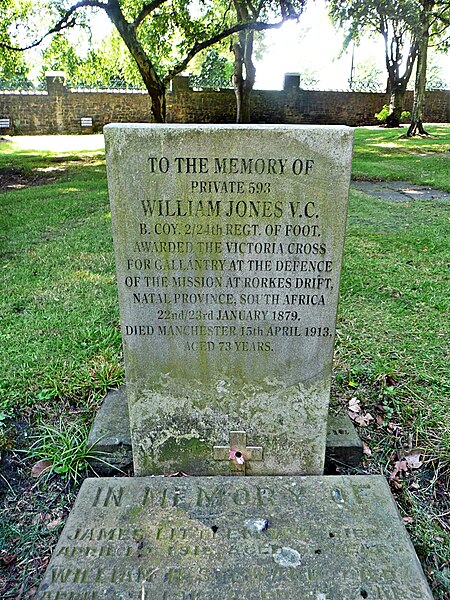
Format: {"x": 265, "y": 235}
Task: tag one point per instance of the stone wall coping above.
{"x": 105, "y": 91}
{"x": 23, "y": 93}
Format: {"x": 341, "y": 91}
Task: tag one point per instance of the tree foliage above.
{"x": 162, "y": 36}
{"x": 367, "y": 77}
{"x": 435, "y": 76}
{"x": 407, "y": 27}
{"x": 108, "y": 66}
{"x": 398, "y": 22}
{"x": 434, "y": 21}
{"x": 216, "y": 71}
{"x": 13, "y": 68}
{"x": 244, "y": 73}
{"x": 309, "y": 79}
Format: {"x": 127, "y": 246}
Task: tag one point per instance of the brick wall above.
{"x": 59, "y": 110}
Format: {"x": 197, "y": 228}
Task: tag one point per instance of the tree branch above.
{"x": 199, "y": 46}
{"x": 146, "y": 10}
{"x": 441, "y": 41}
{"x": 67, "y": 21}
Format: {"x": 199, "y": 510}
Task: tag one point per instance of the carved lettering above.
{"x": 110, "y": 496}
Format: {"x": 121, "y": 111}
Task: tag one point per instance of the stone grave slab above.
{"x": 110, "y": 437}
{"x": 228, "y": 244}
{"x": 242, "y": 538}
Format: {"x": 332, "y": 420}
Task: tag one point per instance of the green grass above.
{"x": 384, "y": 154}
{"x": 63, "y": 449}
{"x": 393, "y": 314}
{"x": 60, "y": 338}
{"x": 393, "y": 330}
{"x": 60, "y": 335}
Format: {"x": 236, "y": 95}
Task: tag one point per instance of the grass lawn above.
{"x": 61, "y": 347}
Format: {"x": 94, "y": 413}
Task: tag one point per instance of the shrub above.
{"x": 384, "y": 112}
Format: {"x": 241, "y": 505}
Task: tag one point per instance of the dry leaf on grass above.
{"x": 408, "y": 520}
{"x": 54, "y": 523}
{"x": 38, "y": 518}
{"x": 354, "y": 412}
{"x": 395, "y": 429}
{"x": 400, "y": 467}
{"x": 387, "y": 380}
{"x": 41, "y": 467}
{"x": 354, "y": 405}
{"x": 363, "y": 420}
{"x": 414, "y": 458}
{"x": 366, "y": 450}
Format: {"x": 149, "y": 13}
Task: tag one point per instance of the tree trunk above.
{"x": 416, "y": 127}
{"x": 244, "y": 73}
{"x": 393, "y": 51}
{"x": 396, "y": 105}
{"x": 238, "y": 79}
{"x": 243, "y": 84}
{"x": 152, "y": 81}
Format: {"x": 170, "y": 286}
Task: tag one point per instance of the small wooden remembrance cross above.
{"x": 238, "y": 453}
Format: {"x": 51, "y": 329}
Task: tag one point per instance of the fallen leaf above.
{"x": 54, "y": 523}
{"x": 379, "y": 419}
{"x": 414, "y": 459}
{"x": 354, "y": 405}
{"x": 400, "y": 467}
{"x": 390, "y": 381}
{"x": 408, "y": 520}
{"x": 395, "y": 429}
{"x": 38, "y": 518}
{"x": 363, "y": 420}
{"x": 366, "y": 450}
{"x": 41, "y": 467}
{"x": 395, "y": 485}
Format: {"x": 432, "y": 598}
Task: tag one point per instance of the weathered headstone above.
{"x": 228, "y": 244}
{"x": 228, "y": 249}
{"x": 110, "y": 438}
{"x": 252, "y": 538}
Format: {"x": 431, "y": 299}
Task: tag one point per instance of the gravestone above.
{"x": 110, "y": 437}
{"x": 242, "y": 538}
{"x": 228, "y": 246}
{"x": 228, "y": 243}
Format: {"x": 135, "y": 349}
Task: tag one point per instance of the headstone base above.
{"x": 243, "y": 538}
{"x": 110, "y": 435}
{"x": 111, "y": 439}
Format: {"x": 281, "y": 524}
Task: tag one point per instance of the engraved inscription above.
{"x": 190, "y": 538}
{"x": 216, "y": 282}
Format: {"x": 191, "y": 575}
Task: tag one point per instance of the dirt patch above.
{"x": 18, "y": 178}
{"x": 399, "y": 191}
{"x": 32, "y": 514}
